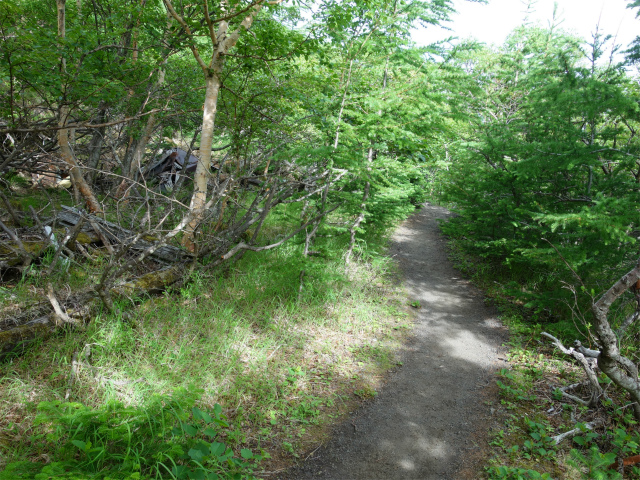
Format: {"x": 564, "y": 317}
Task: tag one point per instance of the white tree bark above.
{"x": 222, "y": 41}
{"x": 622, "y": 371}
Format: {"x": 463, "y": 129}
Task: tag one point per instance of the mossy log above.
{"x": 18, "y": 338}
{"x": 39, "y": 321}
{"x": 150, "y": 282}
{"x": 9, "y": 252}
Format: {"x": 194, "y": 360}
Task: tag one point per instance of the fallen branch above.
{"x": 69, "y": 238}
{"x": 574, "y": 398}
{"x": 46, "y": 317}
{"x": 60, "y": 314}
{"x": 244, "y": 246}
{"x": 106, "y": 232}
{"x": 105, "y": 241}
{"x": 572, "y": 433}
{"x": 10, "y": 209}
{"x": 85, "y": 229}
{"x": 587, "y": 352}
{"x": 26, "y": 256}
{"x": 596, "y": 392}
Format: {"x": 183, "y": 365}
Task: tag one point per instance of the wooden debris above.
{"x": 41, "y": 320}
{"x": 99, "y": 230}
{"x": 14, "y": 251}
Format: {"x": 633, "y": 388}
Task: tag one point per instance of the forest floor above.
{"x": 431, "y": 420}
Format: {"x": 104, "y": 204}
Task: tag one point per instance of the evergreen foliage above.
{"x": 546, "y": 178}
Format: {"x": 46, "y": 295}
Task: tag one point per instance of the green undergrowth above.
{"x": 272, "y": 351}
{"x": 531, "y": 410}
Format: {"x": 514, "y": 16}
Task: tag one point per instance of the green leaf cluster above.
{"x": 545, "y": 178}
{"x": 168, "y": 437}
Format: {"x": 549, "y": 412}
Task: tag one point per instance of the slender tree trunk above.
{"x": 367, "y": 185}
{"x": 127, "y": 160}
{"x": 141, "y": 147}
{"x": 63, "y": 133}
{"x": 95, "y": 146}
{"x": 133, "y": 160}
{"x": 203, "y": 170}
{"x": 310, "y": 234}
{"x": 363, "y": 210}
{"x": 132, "y": 163}
{"x": 222, "y": 41}
{"x": 344, "y": 100}
{"x": 134, "y": 144}
{"x": 138, "y": 153}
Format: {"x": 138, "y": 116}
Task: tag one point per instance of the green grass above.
{"x": 283, "y": 361}
{"x": 286, "y": 344}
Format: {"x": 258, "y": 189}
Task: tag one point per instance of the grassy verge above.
{"x": 264, "y": 356}
{"x": 531, "y": 410}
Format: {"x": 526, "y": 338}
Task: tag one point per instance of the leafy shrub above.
{"x": 513, "y": 473}
{"x": 594, "y": 465}
{"x": 167, "y": 438}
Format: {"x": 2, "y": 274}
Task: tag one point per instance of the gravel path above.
{"x": 430, "y": 420}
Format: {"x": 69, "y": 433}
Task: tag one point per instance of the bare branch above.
{"x": 10, "y": 209}
{"x": 244, "y": 246}
{"x": 596, "y": 391}
{"x": 572, "y": 433}
{"x": 565, "y": 262}
{"x": 60, "y": 314}
{"x": 183, "y": 24}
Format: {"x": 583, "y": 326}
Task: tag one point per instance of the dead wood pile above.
{"x": 72, "y": 227}
{"x": 31, "y": 243}
{"x": 39, "y": 321}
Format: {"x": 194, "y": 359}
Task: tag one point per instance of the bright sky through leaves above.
{"x": 492, "y": 22}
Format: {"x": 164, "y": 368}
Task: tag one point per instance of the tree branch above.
{"x": 183, "y": 24}
{"x": 596, "y": 392}
{"x": 244, "y": 246}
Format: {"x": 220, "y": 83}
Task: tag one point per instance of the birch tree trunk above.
{"x": 222, "y": 41}
{"x": 203, "y": 169}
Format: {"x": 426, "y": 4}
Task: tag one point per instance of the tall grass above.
{"x": 284, "y": 353}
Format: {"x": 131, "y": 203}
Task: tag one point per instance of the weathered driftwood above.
{"x": 96, "y": 229}
{"x": 39, "y": 321}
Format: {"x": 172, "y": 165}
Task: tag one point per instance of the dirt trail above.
{"x": 430, "y": 420}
